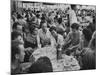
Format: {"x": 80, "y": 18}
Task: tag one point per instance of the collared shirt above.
{"x": 45, "y": 38}
{"x": 72, "y": 17}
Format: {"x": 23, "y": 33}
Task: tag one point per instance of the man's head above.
{"x": 73, "y": 7}
{"x": 74, "y": 27}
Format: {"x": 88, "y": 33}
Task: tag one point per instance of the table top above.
{"x": 67, "y": 63}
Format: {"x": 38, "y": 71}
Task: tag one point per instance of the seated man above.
{"x": 58, "y": 40}
{"x": 72, "y": 42}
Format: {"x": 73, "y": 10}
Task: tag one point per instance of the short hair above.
{"x": 75, "y": 26}
{"x": 43, "y": 64}
{"x": 72, "y": 6}
{"x": 15, "y": 34}
{"x": 52, "y": 28}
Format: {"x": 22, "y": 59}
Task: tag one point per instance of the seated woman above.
{"x": 43, "y": 64}
{"x": 86, "y": 37}
{"x": 44, "y": 35}
{"x": 88, "y": 56}
{"x": 32, "y": 39}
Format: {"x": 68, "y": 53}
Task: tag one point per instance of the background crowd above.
{"x": 72, "y": 31}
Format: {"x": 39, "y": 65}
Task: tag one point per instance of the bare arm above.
{"x": 38, "y": 42}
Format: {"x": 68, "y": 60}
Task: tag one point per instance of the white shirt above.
{"x": 44, "y": 37}
{"x": 72, "y": 16}
{"x": 60, "y": 41}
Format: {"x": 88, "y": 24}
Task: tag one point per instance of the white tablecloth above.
{"x": 67, "y": 63}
